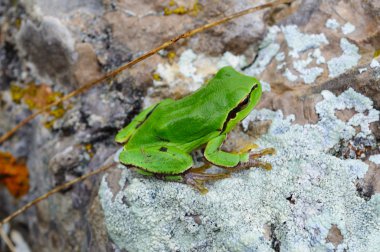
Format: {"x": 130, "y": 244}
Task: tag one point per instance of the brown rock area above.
{"x": 66, "y": 44}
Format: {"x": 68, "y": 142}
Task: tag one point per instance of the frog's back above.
{"x": 193, "y": 119}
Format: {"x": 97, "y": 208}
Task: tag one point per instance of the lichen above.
{"x": 332, "y": 24}
{"x": 280, "y": 56}
{"x": 37, "y": 97}
{"x": 153, "y": 215}
{"x": 374, "y": 64}
{"x": 347, "y": 60}
{"x": 348, "y": 28}
{"x": 309, "y": 75}
{"x": 289, "y": 75}
{"x": 300, "y": 42}
{"x": 196, "y": 68}
{"x": 375, "y": 159}
{"x": 268, "y": 49}
{"x": 265, "y": 86}
{"x": 175, "y": 8}
{"x": 317, "y": 54}
{"x": 362, "y": 70}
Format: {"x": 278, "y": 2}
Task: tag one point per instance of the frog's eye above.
{"x": 241, "y": 106}
{"x": 244, "y": 103}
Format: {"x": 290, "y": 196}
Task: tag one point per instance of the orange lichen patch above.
{"x": 37, "y": 97}
{"x": 34, "y": 96}
{"x": 14, "y": 175}
{"x": 181, "y": 10}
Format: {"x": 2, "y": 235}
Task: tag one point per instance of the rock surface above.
{"x": 319, "y": 64}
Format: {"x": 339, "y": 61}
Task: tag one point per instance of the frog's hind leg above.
{"x": 264, "y": 152}
{"x": 161, "y": 160}
{"x": 196, "y": 178}
{"x": 231, "y": 162}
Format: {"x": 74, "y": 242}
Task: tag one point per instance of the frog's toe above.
{"x": 249, "y": 164}
{"x": 247, "y": 148}
{"x": 199, "y": 185}
{"x": 264, "y": 152}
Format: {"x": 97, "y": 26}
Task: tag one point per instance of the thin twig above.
{"x": 6, "y": 239}
{"x": 117, "y": 71}
{"x": 55, "y": 190}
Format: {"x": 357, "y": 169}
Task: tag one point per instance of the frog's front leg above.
{"x": 234, "y": 161}
{"x": 124, "y": 134}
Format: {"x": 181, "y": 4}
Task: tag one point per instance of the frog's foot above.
{"x": 247, "y": 165}
{"x": 253, "y": 162}
{"x": 196, "y": 177}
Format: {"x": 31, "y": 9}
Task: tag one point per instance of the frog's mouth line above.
{"x": 241, "y": 106}
{"x": 147, "y": 116}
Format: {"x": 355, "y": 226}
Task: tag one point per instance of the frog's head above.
{"x": 243, "y": 93}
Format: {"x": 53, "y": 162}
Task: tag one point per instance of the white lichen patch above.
{"x": 229, "y": 59}
{"x": 186, "y": 65}
{"x": 317, "y": 54}
{"x": 280, "y": 66}
{"x": 348, "y": 28}
{"x": 331, "y": 23}
{"x": 375, "y": 159}
{"x": 362, "y": 70}
{"x": 192, "y": 69}
{"x": 300, "y": 42}
{"x": 309, "y": 75}
{"x": 346, "y": 61}
{"x": 20, "y": 244}
{"x": 280, "y": 56}
{"x": 265, "y": 86}
{"x": 289, "y": 75}
{"x": 267, "y": 50}
{"x": 374, "y": 64}
{"x": 153, "y": 215}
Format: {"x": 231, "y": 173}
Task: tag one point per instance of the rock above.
{"x": 149, "y": 215}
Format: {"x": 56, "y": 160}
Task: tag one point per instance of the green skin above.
{"x": 160, "y": 139}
